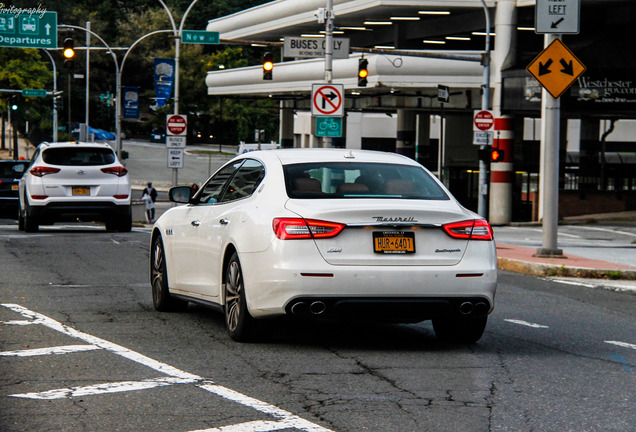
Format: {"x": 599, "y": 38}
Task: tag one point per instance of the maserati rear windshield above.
{"x": 360, "y": 180}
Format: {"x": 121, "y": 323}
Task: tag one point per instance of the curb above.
{"x": 541, "y": 269}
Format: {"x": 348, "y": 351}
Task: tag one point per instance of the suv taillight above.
{"x": 41, "y": 171}
{"x": 119, "y": 171}
{"x": 470, "y": 230}
{"x": 297, "y": 228}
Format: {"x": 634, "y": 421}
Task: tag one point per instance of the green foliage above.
{"x": 120, "y": 24}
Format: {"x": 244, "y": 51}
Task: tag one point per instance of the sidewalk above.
{"x": 522, "y": 260}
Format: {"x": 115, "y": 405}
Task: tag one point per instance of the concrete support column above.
{"x": 423, "y": 150}
{"x": 286, "y": 130}
{"x": 405, "y": 141}
{"x": 502, "y": 173}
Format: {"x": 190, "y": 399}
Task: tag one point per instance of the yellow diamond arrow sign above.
{"x": 556, "y": 68}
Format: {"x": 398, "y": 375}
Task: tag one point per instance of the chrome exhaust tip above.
{"x": 317, "y": 307}
{"x": 299, "y": 308}
{"x": 466, "y": 308}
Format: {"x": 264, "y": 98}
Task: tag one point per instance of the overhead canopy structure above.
{"x": 364, "y": 23}
{"x": 387, "y": 74}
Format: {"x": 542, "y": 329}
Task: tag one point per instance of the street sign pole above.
{"x": 549, "y": 178}
{"x": 327, "y": 141}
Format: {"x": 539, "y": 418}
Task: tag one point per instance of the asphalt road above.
{"x": 554, "y": 357}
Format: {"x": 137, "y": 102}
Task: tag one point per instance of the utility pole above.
{"x": 482, "y": 192}
{"x": 177, "y": 44}
{"x": 328, "y": 141}
{"x": 549, "y": 191}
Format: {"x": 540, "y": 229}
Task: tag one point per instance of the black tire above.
{"x": 161, "y": 298}
{"x": 20, "y": 220}
{"x": 240, "y": 324}
{"x": 31, "y": 224}
{"x": 460, "y": 330}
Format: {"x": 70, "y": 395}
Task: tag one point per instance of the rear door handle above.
{"x": 224, "y": 221}
{"x": 195, "y": 223}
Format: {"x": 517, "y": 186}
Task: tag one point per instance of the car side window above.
{"x": 34, "y": 157}
{"x": 213, "y": 188}
{"x": 245, "y": 181}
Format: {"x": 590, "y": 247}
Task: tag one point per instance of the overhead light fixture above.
{"x": 378, "y": 23}
{"x": 526, "y": 28}
{"x": 398, "y": 18}
{"x": 434, "y": 12}
{"x": 353, "y": 28}
{"x": 384, "y": 47}
{"x": 458, "y": 38}
{"x": 258, "y": 45}
{"x": 334, "y": 32}
{"x": 482, "y": 33}
{"x": 312, "y": 35}
{"x": 436, "y": 42}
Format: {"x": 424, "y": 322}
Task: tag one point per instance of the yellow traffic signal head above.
{"x": 69, "y": 49}
{"x": 363, "y": 72}
{"x": 268, "y": 66}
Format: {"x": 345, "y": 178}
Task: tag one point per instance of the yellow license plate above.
{"x": 14, "y": 187}
{"x": 81, "y": 190}
{"x": 393, "y": 242}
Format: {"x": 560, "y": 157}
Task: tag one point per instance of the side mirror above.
{"x": 180, "y": 194}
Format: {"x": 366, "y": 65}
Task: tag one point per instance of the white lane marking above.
{"x": 47, "y": 351}
{"x": 292, "y": 420}
{"x": 19, "y": 322}
{"x": 114, "y": 241}
{"x": 567, "y": 282}
{"x": 608, "y": 230}
{"x": 289, "y": 420}
{"x": 98, "y": 389}
{"x": 255, "y": 426}
{"x": 526, "y": 323}
{"x": 622, "y": 344}
{"x": 116, "y": 349}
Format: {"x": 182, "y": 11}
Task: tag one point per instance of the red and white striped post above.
{"x": 502, "y": 173}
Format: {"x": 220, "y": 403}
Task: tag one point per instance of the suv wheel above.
{"x": 30, "y": 223}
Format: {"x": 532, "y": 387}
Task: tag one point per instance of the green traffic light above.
{"x": 14, "y": 107}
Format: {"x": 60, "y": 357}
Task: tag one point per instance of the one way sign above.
{"x": 556, "y": 68}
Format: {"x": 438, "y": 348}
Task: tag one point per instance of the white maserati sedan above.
{"x": 326, "y": 233}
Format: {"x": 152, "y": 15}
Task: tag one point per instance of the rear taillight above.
{"x": 41, "y": 171}
{"x": 298, "y": 228}
{"x": 470, "y": 230}
{"x": 120, "y": 196}
{"x": 119, "y": 171}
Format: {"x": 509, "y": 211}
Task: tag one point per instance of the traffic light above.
{"x": 69, "y": 53}
{"x": 268, "y": 66}
{"x": 497, "y": 155}
{"x": 14, "y": 103}
{"x": 363, "y": 72}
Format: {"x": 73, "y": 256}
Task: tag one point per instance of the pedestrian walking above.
{"x": 150, "y": 207}
{"x": 151, "y": 191}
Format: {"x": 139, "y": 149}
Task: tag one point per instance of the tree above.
{"x": 25, "y": 68}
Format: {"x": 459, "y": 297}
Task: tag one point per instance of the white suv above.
{"x": 70, "y": 181}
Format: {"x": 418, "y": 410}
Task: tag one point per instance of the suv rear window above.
{"x": 329, "y": 180}
{"x": 78, "y": 156}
